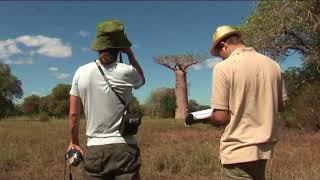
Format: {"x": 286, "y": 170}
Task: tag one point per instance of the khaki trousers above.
{"x": 112, "y": 162}
{"x": 254, "y": 170}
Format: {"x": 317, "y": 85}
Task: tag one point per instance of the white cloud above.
{"x": 56, "y": 73}
{"x": 17, "y": 62}
{"x": 51, "y": 47}
{"x": 8, "y": 48}
{"x": 9, "y": 61}
{"x": 55, "y": 51}
{"x": 62, "y": 76}
{"x": 38, "y": 93}
{"x": 53, "y": 69}
{"x": 208, "y": 63}
{"x": 34, "y": 45}
{"x": 30, "y": 41}
{"x": 32, "y": 53}
{"x": 211, "y": 62}
{"x": 83, "y": 33}
{"x": 197, "y": 66}
{"x": 30, "y": 61}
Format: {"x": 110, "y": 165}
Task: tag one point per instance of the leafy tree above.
{"x": 61, "y": 91}
{"x": 59, "y": 105}
{"x": 10, "y": 89}
{"x": 280, "y": 29}
{"x": 167, "y": 106}
{"x": 297, "y": 77}
{"x": 60, "y": 108}
{"x": 135, "y": 107}
{"x": 46, "y": 104}
{"x": 31, "y": 105}
{"x": 179, "y": 65}
{"x": 159, "y": 101}
{"x": 15, "y": 110}
{"x": 275, "y": 27}
{"x": 56, "y": 103}
{"x": 304, "y": 109}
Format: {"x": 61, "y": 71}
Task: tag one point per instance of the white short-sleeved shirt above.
{"x": 102, "y": 108}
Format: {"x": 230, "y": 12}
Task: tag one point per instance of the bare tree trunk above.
{"x": 179, "y": 64}
{"x": 181, "y": 94}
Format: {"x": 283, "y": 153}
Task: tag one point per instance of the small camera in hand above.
{"x": 74, "y": 157}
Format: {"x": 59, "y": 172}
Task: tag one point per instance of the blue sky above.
{"x": 45, "y": 42}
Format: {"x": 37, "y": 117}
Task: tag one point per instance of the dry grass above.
{"x": 35, "y": 150}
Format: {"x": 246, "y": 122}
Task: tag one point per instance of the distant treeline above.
{"x": 161, "y": 103}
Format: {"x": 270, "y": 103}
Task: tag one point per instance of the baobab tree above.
{"x": 179, "y": 65}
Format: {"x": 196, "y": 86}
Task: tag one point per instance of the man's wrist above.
{"x": 74, "y": 142}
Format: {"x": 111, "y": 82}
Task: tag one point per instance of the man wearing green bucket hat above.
{"x": 110, "y": 34}
{"x": 247, "y": 93}
{"x": 108, "y": 154}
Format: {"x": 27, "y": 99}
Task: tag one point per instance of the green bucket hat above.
{"x": 110, "y": 34}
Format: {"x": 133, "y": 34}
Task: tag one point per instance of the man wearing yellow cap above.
{"x": 247, "y": 94}
{"x": 108, "y": 154}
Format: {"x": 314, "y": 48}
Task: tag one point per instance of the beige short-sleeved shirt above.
{"x": 249, "y": 85}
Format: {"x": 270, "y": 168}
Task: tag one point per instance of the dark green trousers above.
{"x": 112, "y": 162}
{"x": 254, "y": 170}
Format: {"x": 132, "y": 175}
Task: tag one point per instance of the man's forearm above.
{"x": 216, "y": 118}
{"x": 135, "y": 64}
{"x": 74, "y": 124}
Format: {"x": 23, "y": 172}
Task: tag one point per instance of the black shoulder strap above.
{"x": 107, "y": 81}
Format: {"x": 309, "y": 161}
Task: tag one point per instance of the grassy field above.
{"x": 35, "y": 150}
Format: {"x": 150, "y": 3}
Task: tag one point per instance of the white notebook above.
{"x": 203, "y": 114}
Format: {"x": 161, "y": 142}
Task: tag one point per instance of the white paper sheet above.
{"x": 203, "y": 114}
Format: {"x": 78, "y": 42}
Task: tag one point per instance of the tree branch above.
{"x": 164, "y": 62}
{"x": 191, "y": 63}
{"x": 297, "y": 37}
{"x": 286, "y": 47}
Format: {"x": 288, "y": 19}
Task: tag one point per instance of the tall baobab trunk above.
{"x": 181, "y": 94}
{"x": 179, "y": 64}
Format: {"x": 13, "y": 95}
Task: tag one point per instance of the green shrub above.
{"x": 304, "y": 110}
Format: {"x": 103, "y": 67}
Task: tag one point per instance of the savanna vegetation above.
{"x": 35, "y": 150}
